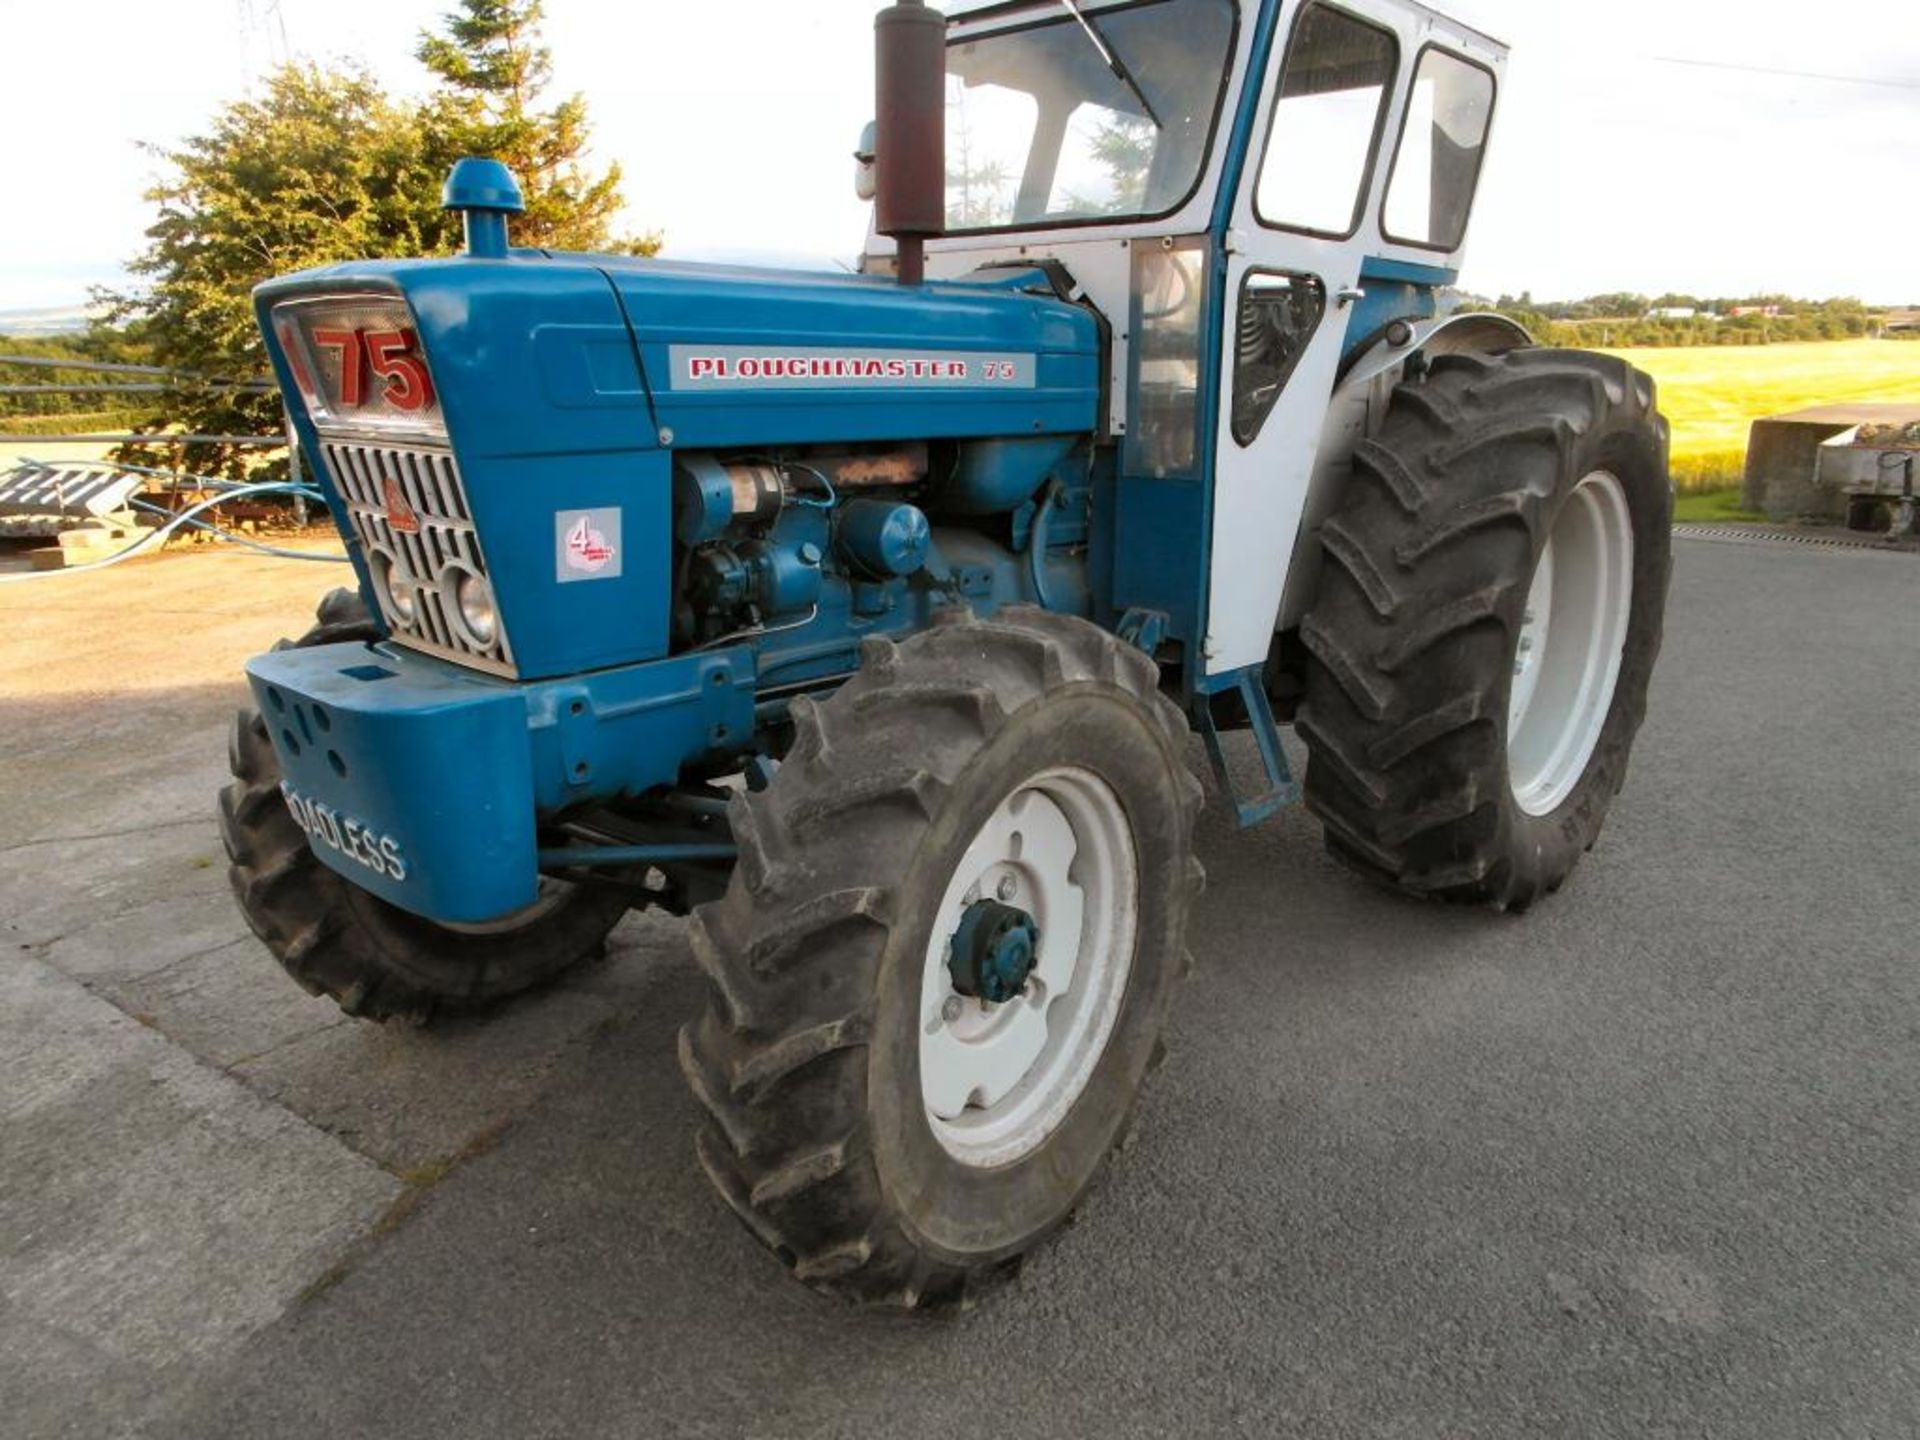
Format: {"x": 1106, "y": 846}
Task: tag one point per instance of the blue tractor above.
{"x": 868, "y": 618}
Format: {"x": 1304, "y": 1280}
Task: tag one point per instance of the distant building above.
{"x": 1903, "y": 320}
{"x": 1673, "y": 312}
{"x": 1772, "y": 312}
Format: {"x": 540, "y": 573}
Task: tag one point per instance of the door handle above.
{"x": 1347, "y": 294}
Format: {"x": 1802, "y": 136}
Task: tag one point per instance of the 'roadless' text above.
{"x": 342, "y": 833}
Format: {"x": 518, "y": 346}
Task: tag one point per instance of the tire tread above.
{"x": 777, "y": 1063}
{"x": 1408, "y": 643}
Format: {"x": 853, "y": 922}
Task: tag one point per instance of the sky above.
{"x": 1625, "y": 155}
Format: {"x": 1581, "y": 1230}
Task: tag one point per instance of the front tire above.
{"x": 1018, "y": 760}
{"x": 1487, "y": 623}
{"x": 376, "y": 960}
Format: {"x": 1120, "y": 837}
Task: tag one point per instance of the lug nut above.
{"x": 950, "y": 1008}
{"x": 1007, "y": 888}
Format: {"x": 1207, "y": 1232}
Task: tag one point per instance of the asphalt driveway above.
{"x": 1643, "y": 1162}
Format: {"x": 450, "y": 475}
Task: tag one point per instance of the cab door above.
{"x": 1301, "y": 223}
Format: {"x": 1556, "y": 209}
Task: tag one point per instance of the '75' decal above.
{"x": 393, "y": 357}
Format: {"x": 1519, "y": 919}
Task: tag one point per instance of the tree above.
{"x": 1618, "y": 305}
{"x": 493, "y": 70}
{"x": 983, "y": 195}
{"x": 324, "y": 166}
{"x": 114, "y": 346}
{"x": 1125, "y": 144}
{"x": 976, "y": 195}
{"x": 321, "y": 167}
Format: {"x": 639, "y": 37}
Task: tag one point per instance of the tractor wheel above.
{"x": 940, "y": 972}
{"x": 1487, "y": 623}
{"x": 378, "y": 961}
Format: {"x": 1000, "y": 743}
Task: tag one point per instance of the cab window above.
{"x": 1326, "y": 123}
{"x": 1437, "y": 163}
{"x": 1042, "y": 129}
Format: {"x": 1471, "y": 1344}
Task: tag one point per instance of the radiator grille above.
{"x": 410, "y": 511}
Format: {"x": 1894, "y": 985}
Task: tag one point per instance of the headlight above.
{"x": 398, "y": 597}
{"x": 474, "y": 597}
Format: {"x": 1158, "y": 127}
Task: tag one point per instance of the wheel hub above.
{"x": 1026, "y": 966}
{"x": 993, "y": 952}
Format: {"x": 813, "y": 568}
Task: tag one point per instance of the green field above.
{"x": 1712, "y": 393}
{"x": 1694, "y": 507}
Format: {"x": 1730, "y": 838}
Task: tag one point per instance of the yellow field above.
{"x": 1711, "y": 393}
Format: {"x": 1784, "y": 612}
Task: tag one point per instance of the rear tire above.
{"x": 823, "y": 1132}
{"x": 1418, "y": 771}
{"x": 376, "y": 960}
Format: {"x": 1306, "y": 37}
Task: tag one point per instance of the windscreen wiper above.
{"x": 1114, "y": 63}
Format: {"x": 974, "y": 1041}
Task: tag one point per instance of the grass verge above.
{"x": 1706, "y": 507}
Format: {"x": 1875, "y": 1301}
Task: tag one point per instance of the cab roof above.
{"x": 983, "y": 9}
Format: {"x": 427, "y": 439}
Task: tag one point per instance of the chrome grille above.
{"x": 384, "y": 482}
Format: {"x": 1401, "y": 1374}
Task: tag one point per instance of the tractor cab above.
{"x": 1256, "y": 197}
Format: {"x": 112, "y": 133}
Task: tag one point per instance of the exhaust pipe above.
{"x": 910, "y": 154}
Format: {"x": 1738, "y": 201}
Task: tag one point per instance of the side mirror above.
{"x": 865, "y": 185}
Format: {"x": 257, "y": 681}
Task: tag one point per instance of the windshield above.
{"x": 1042, "y": 131}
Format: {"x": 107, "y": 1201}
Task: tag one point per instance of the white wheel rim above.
{"x": 1566, "y": 658}
{"x": 996, "y": 1080}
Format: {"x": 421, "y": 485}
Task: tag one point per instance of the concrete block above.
{"x": 1781, "y": 477}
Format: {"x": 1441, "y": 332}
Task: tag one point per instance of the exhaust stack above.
{"x": 910, "y": 154}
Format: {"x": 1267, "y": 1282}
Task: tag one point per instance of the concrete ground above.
{"x": 1643, "y": 1162}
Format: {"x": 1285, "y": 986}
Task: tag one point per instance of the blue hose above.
{"x": 238, "y": 539}
{"x": 188, "y": 517}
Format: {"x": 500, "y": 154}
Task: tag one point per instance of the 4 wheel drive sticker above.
{"x": 749, "y": 367}
{"x": 586, "y": 544}
{"x": 587, "y": 548}
{"x": 346, "y": 836}
{"x": 393, "y": 356}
